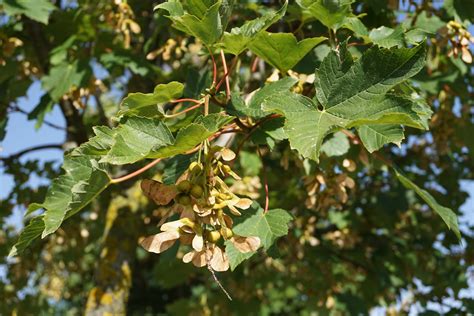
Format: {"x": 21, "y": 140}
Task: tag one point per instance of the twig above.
{"x": 184, "y": 111}
{"x": 217, "y": 281}
{"x": 136, "y": 173}
{"x": 186, "y": 100}
{"x": 28, "y": 150}
{"x": 265, "y": 180}
{"x": 45, "y": 122}
{"x": 206, "y": 105}
{"x": 226, "y": 77}
{"x": 214, "y": 67}
{"x": 254, "y": 65}
{"x": 226, "y": 73}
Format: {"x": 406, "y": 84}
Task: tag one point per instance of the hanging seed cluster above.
{"x": 206, "y": 206}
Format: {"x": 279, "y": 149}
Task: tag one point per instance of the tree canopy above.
{"x": 239, "y": 157}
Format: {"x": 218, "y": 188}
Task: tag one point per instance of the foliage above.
{"x": 254, "y": 137}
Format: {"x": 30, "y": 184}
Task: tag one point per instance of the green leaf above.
{"x": 37, "y": 10}
{"x": 69, "y": 193}
{"x": 375, "y": 136}
{"x": 331, "y": 13}
{"x": 235, "y": 256}
{"x": 207, "y": 27}
{"x": 267, "y": 226}
{"x": 337, "y": 145}
{"x": 150, "y": 104}
{"x": 354, "y": 24}
{"x": 39, "y": 112}
{"x": 254, "y": 107}
{"x": 64, "y": 76}
{"x": 387, "y": 37}
{"x": 192, "y": 135}
{"x": 140, "y": 138}
{"x": 429, "y": 23}
{"x": 134, "y": 140}
{"x": 448, "y": 216}
{"x": 282, "y": 50}
{"x": 175, "y": 167}
{"x": 32, "y": 231}
{"x": 238, "y": 39}
{"x": 351, "y": 94}
{"x": 98, "y": 145}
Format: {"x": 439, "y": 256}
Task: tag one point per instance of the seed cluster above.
{"x": 205, "y": 204}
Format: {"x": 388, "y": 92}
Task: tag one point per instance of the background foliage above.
{"x": 357, "y": 238}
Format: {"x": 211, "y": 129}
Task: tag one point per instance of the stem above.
{"x": 136, "y": 173}
{"x": 254, "y": 64}
{"x": 226, "y": 73}
{"x": 206, "y": 105}
{"x": 217, "y": 281}
{"x": 226, "y": 77}
{"x": 214, "y": 67}
{"x": 267, "y": 199}
{"x": 184, "y": 111}
{"x": 186, "y": 100}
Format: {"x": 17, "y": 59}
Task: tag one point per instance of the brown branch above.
{"x": 31, "y": 149}
{"x": 76, "y": 128}
{"x": 16, "y": 108}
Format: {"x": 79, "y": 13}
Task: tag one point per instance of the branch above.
{"x": 31, "y": 149}
{"x": 16, "y": 108}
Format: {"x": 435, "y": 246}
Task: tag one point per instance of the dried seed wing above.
{"x": 199, "y": 259}
{"x": 160, "y": 193}
{"x": 159, "y": 242}
{"x": 219, "y": 261}
{"x": 227, "y": 154}
{"x": 244, "y": 203}
{"x": 188, "y": 257}
{"x": 245, "y": 244}
{"x": 198, "y": 242}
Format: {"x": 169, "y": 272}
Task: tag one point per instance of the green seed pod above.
{"x": 213, "y": 236}
{"x": 184, "y": 200}
{"x": 184, "y": 186}
{"x": 227, "y": 232}
{"x": 197, "y": 191}
{"x": 226, "y": 168}
{"x": 195, "y": 167}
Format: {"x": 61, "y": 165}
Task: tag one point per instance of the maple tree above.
{"x": 252, "y": 138}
